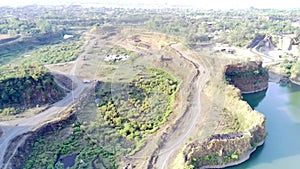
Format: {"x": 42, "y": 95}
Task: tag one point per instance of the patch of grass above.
{"x": 11, "y": 51}
{"x": 58, "y": 53}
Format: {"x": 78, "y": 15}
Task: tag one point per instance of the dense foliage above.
{"x": 26, "y": 86}
{"x": 237, "y": 28}
{"x": 89, "y": 154}
{"x": 140, "y": 107}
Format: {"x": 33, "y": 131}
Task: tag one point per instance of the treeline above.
{"x": 237, "y": 27}
{"x": 13, "y": 26}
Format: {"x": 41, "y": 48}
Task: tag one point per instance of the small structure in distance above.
{"x": 66, "y": 36}
{"x": 116, "y": 58}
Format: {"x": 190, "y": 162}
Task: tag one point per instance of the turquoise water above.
{"x": 281, "y": 106}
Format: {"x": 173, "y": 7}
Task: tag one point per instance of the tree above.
{"x": 5, "y": 97}
{"x": 45, "y": 27}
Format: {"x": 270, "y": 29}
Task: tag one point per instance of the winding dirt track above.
{"x": 177, "y": 139}
{"x": 14, "y": 128}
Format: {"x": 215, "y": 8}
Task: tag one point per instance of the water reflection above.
{"x": 254, "y": 99}
{"x": 281, "y": 106}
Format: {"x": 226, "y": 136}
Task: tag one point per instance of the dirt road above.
{"x": 14, "y": 128}
{"x": 177, "y": 139}
{"x": 267, "y": 59}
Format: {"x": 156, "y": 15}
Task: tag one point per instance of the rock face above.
{"x": 221, "y": 150}
{"x": 249, "y": 78}
{"x": 240, "y": 130}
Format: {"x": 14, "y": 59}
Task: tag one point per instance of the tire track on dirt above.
{"x": 167, "y": 145}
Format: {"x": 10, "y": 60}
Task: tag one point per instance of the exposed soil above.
{"x": 64, "y": 82}
{"x": 27, "y": 113}
{"x": 193, "y": 109}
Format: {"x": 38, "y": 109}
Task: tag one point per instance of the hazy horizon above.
{"x": 211, "y": 4}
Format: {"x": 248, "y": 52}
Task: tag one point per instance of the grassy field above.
{"x": 58, "y": 53}
{"x": 11, "y": 51}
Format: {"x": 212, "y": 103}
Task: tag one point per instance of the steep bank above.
{"x": 26, "y": 141}
{"x": 26, "y": 86}
{"x": 239, "y": 131}
{"x": 249, "y": 78}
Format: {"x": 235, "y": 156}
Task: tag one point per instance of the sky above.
{"x": 210, "y": 4}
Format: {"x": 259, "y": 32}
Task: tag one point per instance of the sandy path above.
{"x": 185, "y": 128}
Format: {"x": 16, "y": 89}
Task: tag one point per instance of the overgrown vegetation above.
{"x": 213, "y": 159}
{"x": 291, "y": 68}
{"x": 126, "y": 114}
{"x": 26, "y": 82}
{"x": 47, "y": 150}
{"x": 140, "y": 107}
{"x": 26, "y": 86}
{"x": 58, "y": 53}
{"x": 16, "y": 49}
